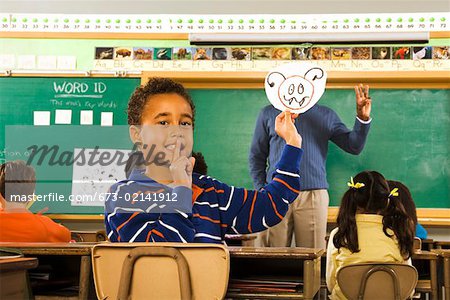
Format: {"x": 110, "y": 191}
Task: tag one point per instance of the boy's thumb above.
{"x": 192, "y": 160}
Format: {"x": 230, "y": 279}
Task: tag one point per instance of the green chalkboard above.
{"x": 408, "y": 141}
{"x": 21, "y": 97}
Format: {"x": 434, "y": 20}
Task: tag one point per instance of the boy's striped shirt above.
{"x": 217, "y": 208}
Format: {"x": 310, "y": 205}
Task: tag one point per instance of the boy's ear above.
{"x": 135, "y": 134}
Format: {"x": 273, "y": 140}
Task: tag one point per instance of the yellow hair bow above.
{"x": 355, "y": 185}
{"x": 394, "y": 192}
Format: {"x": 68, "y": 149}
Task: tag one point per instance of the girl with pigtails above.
{"x": 372, "y": 226}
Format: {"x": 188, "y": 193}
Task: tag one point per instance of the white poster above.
{"x": 90, "y": 182}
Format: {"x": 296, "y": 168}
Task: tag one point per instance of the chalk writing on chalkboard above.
{"x": 73, "y": 89}
{"x": 81, "y": 94}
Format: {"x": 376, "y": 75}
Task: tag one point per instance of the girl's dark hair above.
{"x": 404, "y": 195}
{"x": 155, "y": 86}
{"x": 373, "y": 198}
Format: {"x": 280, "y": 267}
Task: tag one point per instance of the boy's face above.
{"x": 167, "y": 118}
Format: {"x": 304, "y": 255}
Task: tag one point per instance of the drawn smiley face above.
{"x": 295, "y": 87}
{"x": 295, "y": 92}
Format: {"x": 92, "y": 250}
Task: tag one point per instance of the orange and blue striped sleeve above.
{"x": 248, "y": 211}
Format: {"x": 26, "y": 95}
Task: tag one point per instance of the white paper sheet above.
{"x": 41, "y": 118}
{"x": 63, "y": 116}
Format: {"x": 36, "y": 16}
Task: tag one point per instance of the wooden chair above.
{"x": 160, "y": 271}
{"x": 14, "y": 280}
{"x": 377, "y": 281}
{"x": 417, "y": 244}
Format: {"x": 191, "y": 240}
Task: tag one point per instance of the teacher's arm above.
{"x": 259, "y": 151}
{"x": 353, "y": 141}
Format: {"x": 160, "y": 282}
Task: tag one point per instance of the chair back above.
{"x": 160, "y": 271}
{"x": 377, "y": 281}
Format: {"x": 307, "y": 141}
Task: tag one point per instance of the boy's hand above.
{"x": 363, "y": 102}
{"x": 285, "y": 128}
{"x": 181, "y": 168}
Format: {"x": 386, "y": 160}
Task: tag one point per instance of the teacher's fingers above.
{"x": 366, "y": 91}
{"x": 357, "y": 92}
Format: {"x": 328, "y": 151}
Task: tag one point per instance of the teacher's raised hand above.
{"x": 363, "y": 102}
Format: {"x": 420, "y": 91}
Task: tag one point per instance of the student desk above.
{"x": 427, "y": 244}
{"x": 81, "y": 250}
{"x": 13, "y": 277}
{"x": 428, "y": 285}
{"x": 89, "y": 236}
{"x": 238, "y": 239}
{"x": 445, "y": 254}
{"x": 282, "y": 263}
{"x": 442, "y": 244}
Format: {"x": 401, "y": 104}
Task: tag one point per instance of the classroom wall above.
{"x": 224, "y": 7}
{"x": 84, "y": 49}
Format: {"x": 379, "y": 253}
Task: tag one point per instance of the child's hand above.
{"x": 181, "y": 168}
{"x": 363, "y": 102}
{"x": 285, "y": 128}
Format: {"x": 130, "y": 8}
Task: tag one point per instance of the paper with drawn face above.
{"x": 295, "y": 86}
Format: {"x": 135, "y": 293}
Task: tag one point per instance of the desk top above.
{"x": 427, "y": 241}
{"x": 442, "y": 252}
{"x": 442, "y": 243}
{"x": 423, "y": 254}
{"x": 86, "y": 248}
{"x": 20, "y": 263}
{"x": 52, "y": 248}
{"x": 240, "y": 237}
{"x": 275, "y": 252}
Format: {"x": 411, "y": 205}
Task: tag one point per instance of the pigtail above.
{"x": 396, "y": 219}
{"x": 347, "y": 234}
{"x": 369, "y": 203}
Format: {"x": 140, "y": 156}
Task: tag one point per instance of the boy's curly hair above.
{"x": 154, "y": 86}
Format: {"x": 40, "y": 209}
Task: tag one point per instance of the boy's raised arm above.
{"x": 249, "y": 211}
{"x": 267, "y": 207}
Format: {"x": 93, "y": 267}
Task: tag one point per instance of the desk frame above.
{"x": 422, "y": 285}
{"x": 445, "y": 255}
{"x": 311, "y": 269}
{"x": 62, "y": 249}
